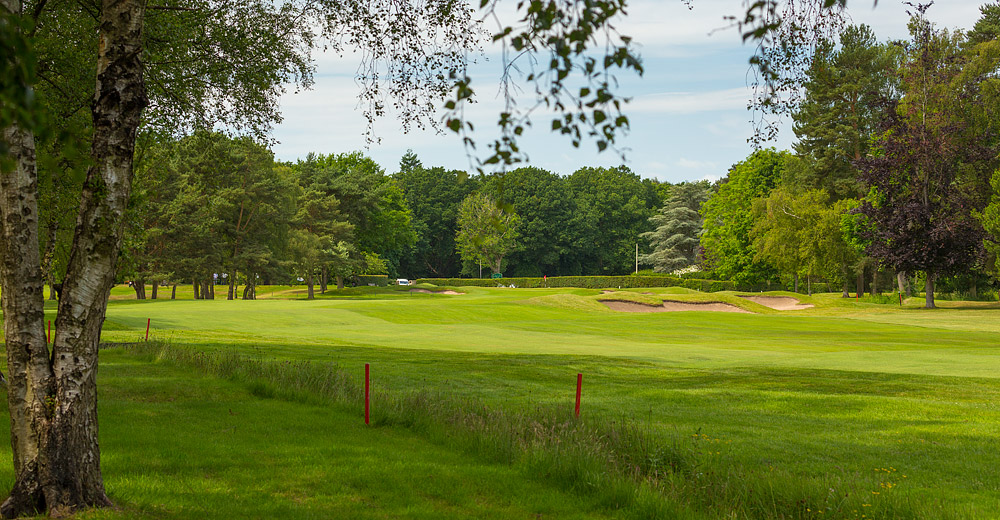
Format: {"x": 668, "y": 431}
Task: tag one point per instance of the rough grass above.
{"x": 178, "y": 442}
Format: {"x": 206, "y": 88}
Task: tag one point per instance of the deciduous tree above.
{"x": 728, "y": 217}
{"x": 487, "y": 231}
{"x": 921, "y": 180}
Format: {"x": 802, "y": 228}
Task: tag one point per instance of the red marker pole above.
{"x": 900, "y": 299}
{"x": 366, "y": 392}
{"x": 48, "y": 337}
{"x": 147, "y": 329}
{"x": 579, "y": 389}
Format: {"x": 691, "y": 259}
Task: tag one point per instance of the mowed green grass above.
{"x": 887, "y": 404}
{"x": 179, "y": 444}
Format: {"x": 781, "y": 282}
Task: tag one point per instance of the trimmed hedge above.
{"x": 625, "y": 282}
{"x": 589, "y": 282}
{"x": 379, "y": 280}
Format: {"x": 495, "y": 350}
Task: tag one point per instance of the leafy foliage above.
{"x": 613, "y": 207}
{"x": 433, "y": 196}
{"x": 921, "y": 181}
{"x": 487, "y": 231}
{"x": 547, "y": 223}
{"x": 728, "y": 217}
{"x": 990, "y": 219}
{"x": 554, "y": 40}
{"x": 372, "y": 202}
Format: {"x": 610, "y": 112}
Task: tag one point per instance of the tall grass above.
{"x": 616, "y": 462}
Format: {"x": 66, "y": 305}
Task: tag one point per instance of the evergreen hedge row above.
{"x": 379, "y": 280}
{"x": 588, "y": 282}
{"x": 625, "y": 282}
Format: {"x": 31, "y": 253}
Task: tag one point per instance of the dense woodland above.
{"x": 893, "y": 182}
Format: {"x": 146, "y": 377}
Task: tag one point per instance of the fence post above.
{"x": 366, "y": 392}
{"x": 579, "y": 389}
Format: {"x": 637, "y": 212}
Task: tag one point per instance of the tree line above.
{"x": 894, "y": 175}
{"x": 892, "y": 184}
{"x": 214, "y": 211}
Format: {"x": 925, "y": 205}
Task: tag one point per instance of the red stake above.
{"x": 147, "y": 329}
{"x": 48, "y": 337}
{"x": 366, "y": 393}
{"x": 579, "y": 389}
{"x": 900, "y": 299}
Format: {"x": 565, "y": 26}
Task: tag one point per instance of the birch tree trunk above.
{"x": 30, "y": 382}
{"x": 53, "y": 399}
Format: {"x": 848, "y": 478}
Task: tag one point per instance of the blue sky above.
{"x": 688, "y": 116}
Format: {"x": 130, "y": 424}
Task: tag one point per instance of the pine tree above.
{"x": 838, "y": 117}
{"x": 678, "y": 228}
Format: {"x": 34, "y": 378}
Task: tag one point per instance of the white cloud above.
{"x": 691, "y": 102}
{"x": 696, "y": 165}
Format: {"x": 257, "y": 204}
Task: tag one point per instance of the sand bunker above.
{"x": 425, "y": 291}
{"x": 781, "y": 303}
{"x": 673, "y": 306}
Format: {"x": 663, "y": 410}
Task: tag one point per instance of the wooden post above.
{"x": 366, "y": 392}
{"x": 579, "y": 388}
